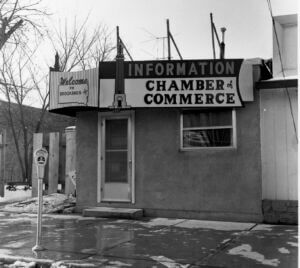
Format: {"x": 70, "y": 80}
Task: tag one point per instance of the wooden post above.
{"x": 4, "y": 155}
{"x": 53, "y": 162}
{"x": 1, "y": 166}
{"x": 37, "y": 143}
{"x": 62, "y": 162}
{"x": 70, "y": 182}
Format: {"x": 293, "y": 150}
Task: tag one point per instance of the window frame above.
{"x": 233, "y": 127}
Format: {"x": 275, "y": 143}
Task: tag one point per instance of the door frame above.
{"x": 130, "y": 114}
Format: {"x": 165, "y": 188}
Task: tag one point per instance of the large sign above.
{"x": 184, "y": 83}
{"x": 177, "y": 83}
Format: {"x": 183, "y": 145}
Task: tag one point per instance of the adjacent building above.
{"x": 279, "y": 129}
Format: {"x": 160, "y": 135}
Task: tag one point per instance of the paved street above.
{"x": 147, "y": 243}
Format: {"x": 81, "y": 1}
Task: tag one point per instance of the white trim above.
{"x": 99, "y": 161}
{"x": 132, "y": 121}
{"x": 234, "y": 135}
{"x": 102, "y": 153}
{"x": 129, "y": 156}
{"x": 203, "y": 128}
{"x": 115, "y": 200}
{"x": 193, "y": 149}
{"x": 181, "y": 132}
{"x": 116, "y": 150}
{"x": 102, "y": 116}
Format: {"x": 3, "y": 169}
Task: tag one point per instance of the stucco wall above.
{"x": 205, "y": 184}
{"x": 218, "y": 183}
{"x": 87, "y": 149}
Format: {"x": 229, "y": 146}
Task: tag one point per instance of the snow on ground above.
{"x": 245, "y": 251}
{"x": 169, "y": 263}
{"x": 225, "y": 241}
{"x": 51, "y": 203}
{"x": 13, "y": 196}
{"x": 14, "y": 244}
{"x": 216, "y": 225}
{"x": 195, "y": 224}
{"x": 67, "y": 264}
{"x": 119, "y": 264}
{"x": 263, "y": 227}
{"x": 21, "y": 264}
{"x": 9, "y": 257}
{"x": 284, "y": 251}
{"x": 293, "y": 244}
{"x": 159, "y": 222}
{"x": 69, "y": 217}
{"x": 5, "y": 251}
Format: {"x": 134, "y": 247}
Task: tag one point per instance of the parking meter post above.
{"x": 40, "y": 157}
{"x": 38, "y": 245}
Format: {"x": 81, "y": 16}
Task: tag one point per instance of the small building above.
{"x": 179, "y": 138}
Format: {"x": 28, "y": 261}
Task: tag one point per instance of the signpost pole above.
{"x": 40, "y": 157}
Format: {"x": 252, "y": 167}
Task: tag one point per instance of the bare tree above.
{"x": 23, "y": 81}
{"x": 18, "y": 84}
{"x": 81, "y": 49}
{"x": 17, "y": 19}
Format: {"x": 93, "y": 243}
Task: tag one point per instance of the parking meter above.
{"x": 40, "y": 159}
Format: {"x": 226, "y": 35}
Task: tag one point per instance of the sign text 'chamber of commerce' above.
{"x": 190, "y": 83}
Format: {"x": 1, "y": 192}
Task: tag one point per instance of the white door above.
{"x": 116, "y": 160}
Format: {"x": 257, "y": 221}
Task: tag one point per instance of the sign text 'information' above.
{"x": 190, "y": 83}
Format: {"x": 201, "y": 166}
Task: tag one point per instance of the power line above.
{"x": 282, "y": 69}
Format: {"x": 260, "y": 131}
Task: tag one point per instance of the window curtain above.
{"x": 207, "y": 137}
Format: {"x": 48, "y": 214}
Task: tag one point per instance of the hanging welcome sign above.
{"x": 184, "y": 83}
{"x": 74, "y": 89}
{"x": 71, "y": 90}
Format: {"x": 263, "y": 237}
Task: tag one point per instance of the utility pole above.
{"x": 168, "y": 36}
{"x": 220, "y": 43}
{"x": 212, "y": 35}
{"x": 119, "y": 83}
{"x": 119, "y": 101}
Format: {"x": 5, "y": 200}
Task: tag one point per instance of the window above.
{"x": 208, "y": 128}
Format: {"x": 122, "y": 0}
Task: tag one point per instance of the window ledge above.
{"x": 221, "y": 149}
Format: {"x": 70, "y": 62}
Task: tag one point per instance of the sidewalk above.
{"x": 157, "y": 242}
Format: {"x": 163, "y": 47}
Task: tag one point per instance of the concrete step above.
{"x": 108, "y": 212}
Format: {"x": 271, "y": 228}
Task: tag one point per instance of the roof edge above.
{"x": 280, "y": 83}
